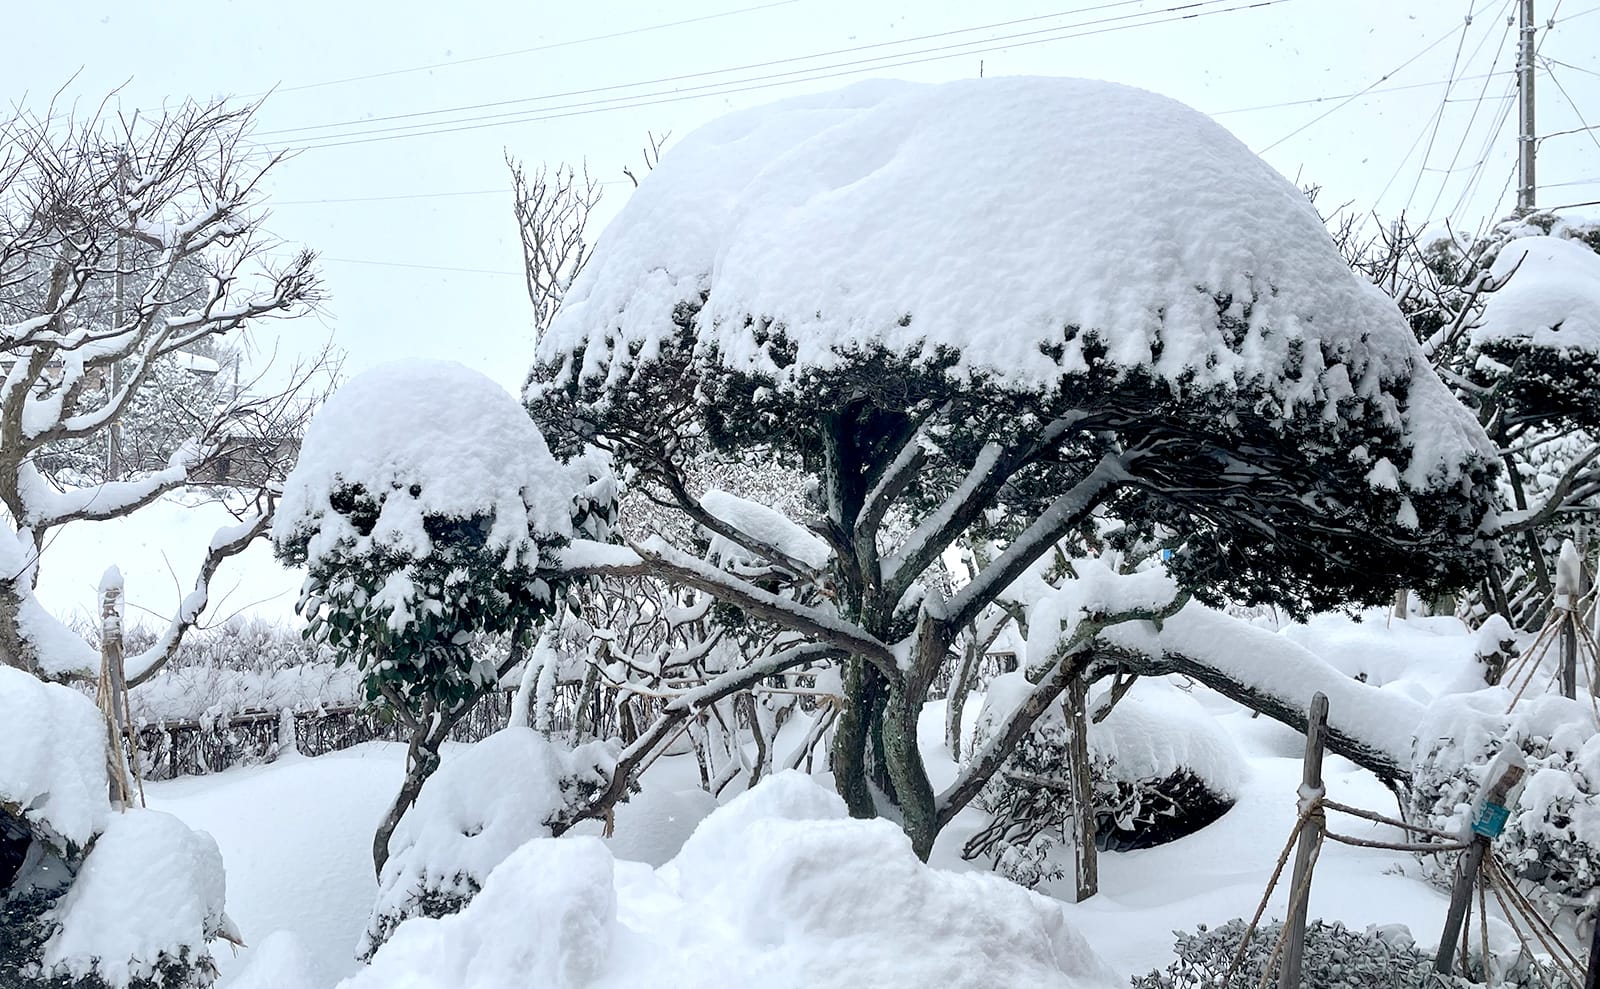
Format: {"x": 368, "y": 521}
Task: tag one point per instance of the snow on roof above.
{"x": 1552, "y": 297}
{"x": 198, "y": 363}
{"x": 52, "y": 757}
{"x": 463, "y": 441}
{"x": 985, "y": 216}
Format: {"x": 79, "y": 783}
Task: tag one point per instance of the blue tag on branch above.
{"x": 1491, "y": 820}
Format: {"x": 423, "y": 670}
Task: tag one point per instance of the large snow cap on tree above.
{"x": 1022, "y": 223}
{"x": 1551, "y": 296}
{"x": 423, "y": 439}
{"x": 1540, "y": 331}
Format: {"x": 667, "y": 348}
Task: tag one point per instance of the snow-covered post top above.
{"x": 111, "y": 605}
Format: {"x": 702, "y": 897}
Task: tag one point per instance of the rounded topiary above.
{"x": 423, "y": 506}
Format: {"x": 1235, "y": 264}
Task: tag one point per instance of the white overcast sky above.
{"x": 405, "y": 109}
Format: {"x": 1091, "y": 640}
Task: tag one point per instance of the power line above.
{"x": 1569, "y": 65}
{"x": 1466, "y": 132}
{"x": 1381, "y": 79}
{"x": 684, "y": 77}
{"x": 335, "y": 200}
{"x": 1438, "y": 113}
{"x": 538, "y": 48}
{"x": 1586, "y": 129}
{"x": 730, "y": 87}
{"x": 1339, "y": 96}
{"x": 1506, "y": 103}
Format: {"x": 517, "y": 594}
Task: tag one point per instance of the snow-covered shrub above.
{"x": 477, "y": 809}
{"x": 89, "y": 897}
{"x": 1553, "y": 835}
{"x": 142, "y": 908}
{"x": 1336, "y": 957}
{"x": 778, "y": 888}
{"x": 1160, "y": 768}
{"x": 241, "y": 665}
{"x": 420, "y": 506}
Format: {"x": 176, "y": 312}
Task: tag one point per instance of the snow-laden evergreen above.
{"x": 808, "y": 235}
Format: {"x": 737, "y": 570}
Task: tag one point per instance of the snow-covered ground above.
{"x": 296, "y": 835}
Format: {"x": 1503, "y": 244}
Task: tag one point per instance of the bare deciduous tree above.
{"x": 552, "y": 210}
{"x": 157, "y": 215}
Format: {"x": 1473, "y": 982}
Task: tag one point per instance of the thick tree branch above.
{"x": 656, "y": 557}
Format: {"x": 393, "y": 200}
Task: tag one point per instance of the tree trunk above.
{"x": 850, "y": 742}
{"x": 903, "y": 762}
{"x": 422, "y": 760}
{"x": 15, "y": 651}
{"x": 1085, "y": 854}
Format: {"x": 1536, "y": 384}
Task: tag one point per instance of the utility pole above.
{"x": 1526, "y": 184}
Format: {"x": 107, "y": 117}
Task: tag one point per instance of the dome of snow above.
{"x": 424, "y": 438}
{"x": 1551, "y": 296}
{"x": 1006, "y": 229}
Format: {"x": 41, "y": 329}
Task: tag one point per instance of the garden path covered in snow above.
{"x": 296, "y": 838}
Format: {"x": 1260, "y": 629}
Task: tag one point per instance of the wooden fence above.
{"x": 171, "y": 749}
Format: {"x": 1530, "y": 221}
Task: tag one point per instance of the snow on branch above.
{"x": 1266, "y": 672}
{"x": 656, "y": 556}
{"x": 227, "y": 542}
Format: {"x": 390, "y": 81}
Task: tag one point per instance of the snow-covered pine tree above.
{"x": 877, "y": 286}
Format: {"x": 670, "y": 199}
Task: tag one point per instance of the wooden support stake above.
{"x": 113, "y": 690}
{"x": 1294, "y": 928}
{"x": 1498, "y": 795}
{"x": 1086, "y": 860}
{"x": 1591, "y": 980}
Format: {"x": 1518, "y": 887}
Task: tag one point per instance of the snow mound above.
{"x": 1158, "y": 730}
{"x": 279, "y": 961}
{"x": 52, "y": 758}
{"x": 425, "y": 438}
{"x": 894, "y": 217}
{"x": 152, "y": 890}
{"x": 478, "y": 808}
{"x": 778, "y": 888}
{"x": 547, "y": 917}
{"x": 1552, "y": 298}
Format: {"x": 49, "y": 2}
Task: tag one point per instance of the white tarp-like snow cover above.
{"x": 1007, "y": 220}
